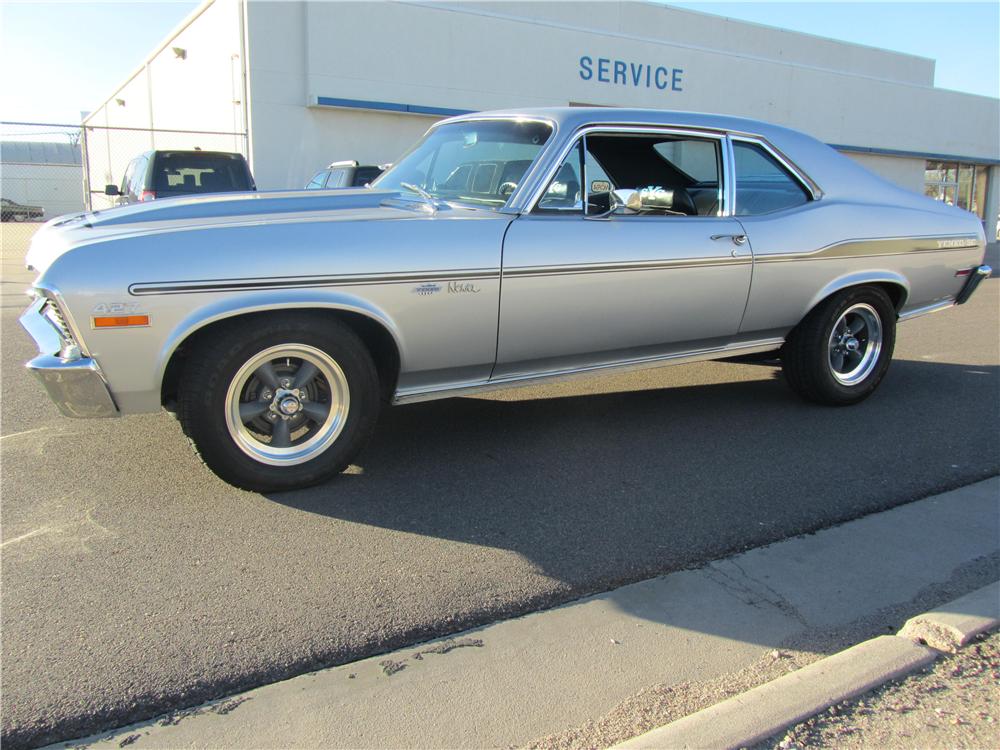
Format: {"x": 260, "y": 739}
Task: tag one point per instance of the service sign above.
{"x": 630, "y": 73}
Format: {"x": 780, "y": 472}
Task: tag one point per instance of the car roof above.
{"x": 571, "y": 118}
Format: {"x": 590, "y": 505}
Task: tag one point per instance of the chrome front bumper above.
{"x": 975, "y": 278}
{"x": 76, "y": 385}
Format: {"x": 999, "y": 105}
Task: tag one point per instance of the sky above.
{"x": 72, "y": 55}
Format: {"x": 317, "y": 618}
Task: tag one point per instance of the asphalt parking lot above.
{"x": 135, "y": 581}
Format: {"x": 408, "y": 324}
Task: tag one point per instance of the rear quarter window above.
{"x": 763, "y": 185}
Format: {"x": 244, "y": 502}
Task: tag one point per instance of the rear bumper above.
{"x": 975, "y": 278}
{"x": 75, "y": 384}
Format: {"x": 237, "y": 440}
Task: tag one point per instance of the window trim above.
{"x": 582, "y": 133}
{"x": 812, "y": 189}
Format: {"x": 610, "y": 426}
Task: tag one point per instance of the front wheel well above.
{"x": 379, "y": 342}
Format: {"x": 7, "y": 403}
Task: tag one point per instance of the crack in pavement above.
{"x": 752, "y": 591}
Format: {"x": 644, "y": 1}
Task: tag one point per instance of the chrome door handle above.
{"x": 738, "y": 239}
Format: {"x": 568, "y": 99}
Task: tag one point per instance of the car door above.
{"x": 580, "y": 291}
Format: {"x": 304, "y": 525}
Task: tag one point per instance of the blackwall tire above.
{"x": 841, "y": 350}
{"x": 279, "y": 403}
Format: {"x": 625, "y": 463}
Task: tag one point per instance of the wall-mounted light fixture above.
{"x": 180, "y": 53}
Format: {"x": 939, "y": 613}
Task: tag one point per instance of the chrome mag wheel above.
{"x": 855, "y": 344}
{"x": 287, "y": 404}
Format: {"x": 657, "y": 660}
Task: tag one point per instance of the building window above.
{"x": 962, "y": 185}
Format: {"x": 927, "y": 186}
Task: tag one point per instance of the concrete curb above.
{"x": 752, "y": 717}
{"x": 951, "y": 627}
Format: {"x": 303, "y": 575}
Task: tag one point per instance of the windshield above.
{"x": 475, "y": 161}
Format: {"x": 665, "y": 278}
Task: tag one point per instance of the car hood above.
{"x": 61, "y": 234}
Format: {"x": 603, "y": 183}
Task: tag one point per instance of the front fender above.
{"x": 283, "y": 300}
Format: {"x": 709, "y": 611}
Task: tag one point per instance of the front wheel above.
{"x": 842, "y": 349}
{"x": 279, "y": 404}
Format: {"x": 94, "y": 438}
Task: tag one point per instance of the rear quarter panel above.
{"x": 803, "y": 255}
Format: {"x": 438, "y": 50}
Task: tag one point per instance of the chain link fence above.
{"x": 41, "y": 176}
{"x": 50, "y": 169}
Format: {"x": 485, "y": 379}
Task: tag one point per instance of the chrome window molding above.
{"x": 730, "y": 177}
{"x": 807, "y": 183}
{"x": 581, "y": 134}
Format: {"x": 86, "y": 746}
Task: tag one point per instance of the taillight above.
{"x": 147, "y": 195}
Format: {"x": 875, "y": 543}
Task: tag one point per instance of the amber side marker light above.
{"x": 121, "y": 321}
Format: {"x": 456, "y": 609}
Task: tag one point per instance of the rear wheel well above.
{"x": 896, "y": 292}
{"x": 377, "y": 339}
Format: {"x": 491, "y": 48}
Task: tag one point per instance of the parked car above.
{"x": 11, "y": 211}
{"x": 344, "y": 174}
{"x": 165, "y": 174}
{"x": 274, "y": 325}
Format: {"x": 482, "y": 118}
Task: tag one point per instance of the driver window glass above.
{"x": 651, "y": 174}
{"x": 661, "y": 174}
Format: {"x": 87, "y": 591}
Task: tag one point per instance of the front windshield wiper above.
{"x": 428, "y": 198}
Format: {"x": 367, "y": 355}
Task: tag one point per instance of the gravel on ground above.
{"x": 953, "y": 703}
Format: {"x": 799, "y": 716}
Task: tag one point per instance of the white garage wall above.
{"x": 478, "y": 57}
{"x": 201, "y": 92}
{"x": 694, "y": 29}
{"x": 907, "y": 173}
{"x": 289, "y": 142}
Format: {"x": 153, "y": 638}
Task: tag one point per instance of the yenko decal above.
{"x": 636, "y": 75}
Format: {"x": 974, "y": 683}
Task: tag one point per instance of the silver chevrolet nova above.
{"x": 505, "y": 248}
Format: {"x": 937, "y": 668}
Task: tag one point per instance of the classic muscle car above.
{"x": 505, "y": 248}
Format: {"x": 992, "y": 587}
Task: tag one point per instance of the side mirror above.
{"x": 111, "y": 190}
{"x": 602, "y": 205}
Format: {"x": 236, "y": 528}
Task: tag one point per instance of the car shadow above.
{"x": 598, "y": 490}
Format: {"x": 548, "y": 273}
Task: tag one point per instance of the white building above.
{"x": 41, "y": 173}
{"x": 314, "y": 82}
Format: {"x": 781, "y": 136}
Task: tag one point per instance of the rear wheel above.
{"x": 281, "y": 404}
{"x": 842, "y": 349}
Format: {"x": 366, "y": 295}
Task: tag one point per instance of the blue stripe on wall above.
{"x": 417, "y": 109}
{"x": 413, "y": 109}
{"x": 874, "y": 151}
